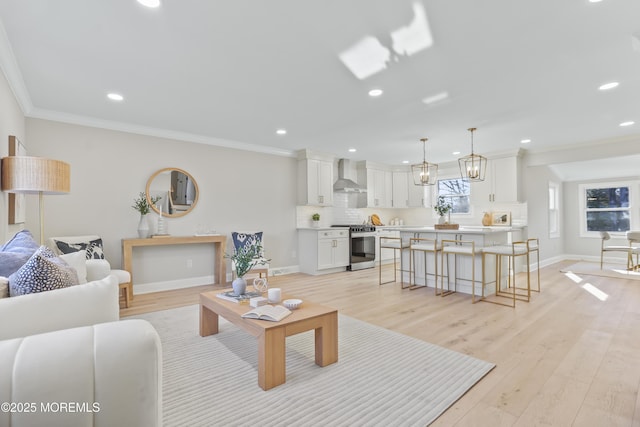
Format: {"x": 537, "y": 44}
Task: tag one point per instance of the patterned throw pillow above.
{"x": 93, "y": 248}
{"x": 243, "y": 240}
{"x": 42, "y": 272}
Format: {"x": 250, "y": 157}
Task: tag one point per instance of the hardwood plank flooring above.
{"x": 567, "y": 358}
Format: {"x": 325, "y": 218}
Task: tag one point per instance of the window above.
{"x": 554, "y": 210}
{"x": 606, "y": 207}
{"x": 456, "y": 191}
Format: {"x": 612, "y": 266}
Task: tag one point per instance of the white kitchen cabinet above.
{"x": 315, "y": 179}
{"x": 323, "y": 251}
{"x": 502, "y": 181}
{"x": 379, "y": 183}
{"x": 405, "y": 193}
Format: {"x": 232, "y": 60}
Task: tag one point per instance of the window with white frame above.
{"x": 607, "y": 207}
{"x": 554, "y": 210}
{"x": 457, "y": 192}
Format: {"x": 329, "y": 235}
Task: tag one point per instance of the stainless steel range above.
{"x": 362, "y": 246}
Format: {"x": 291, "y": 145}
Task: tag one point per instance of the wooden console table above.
{"x": 219, "y": 243}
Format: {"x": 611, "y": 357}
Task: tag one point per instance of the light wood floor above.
{"x": 564, "y": 359}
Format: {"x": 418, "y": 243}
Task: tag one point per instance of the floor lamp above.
{"x": 35, "y": 175}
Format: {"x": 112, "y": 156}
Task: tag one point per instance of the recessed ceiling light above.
{"x": 405, "y": 161}
{"x": 149, "y": 3}
{"x": 455, "y": 153}
{"x": 608, "y": 86}
{"x": 595, "y": 1}
{"x": 352, "y": 150}
{"x": 375, "y": 92}
{"x": 115, "y": 96}
{"x": 525, "y": 141}
{"x": 281, "y": 131}
{"x": 629, "y": 123}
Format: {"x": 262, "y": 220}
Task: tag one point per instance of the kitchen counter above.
{"x": 461, "y": 230}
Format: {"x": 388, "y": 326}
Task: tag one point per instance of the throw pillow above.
{"x": 16, "y": 252}
{"x": 243, "y": 240}
{"x": 78, "y": 261}
{"x": 42, "y": 272}
{"x": 92, "y": 249}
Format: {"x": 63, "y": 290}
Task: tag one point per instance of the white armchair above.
{"x": 95, "y": 268}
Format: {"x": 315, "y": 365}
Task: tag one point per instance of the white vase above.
{"x": 143, "y": 227}
{"x": 239, "y": 285}
{"x": 442, "y": 220}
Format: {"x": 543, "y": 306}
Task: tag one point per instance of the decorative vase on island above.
{"x": 143, "y": 227}
{"x": 486, "y": 219}
{"x": 442, "y": 220}
{"x": 239, "y": 285}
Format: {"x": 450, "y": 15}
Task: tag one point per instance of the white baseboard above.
{"x": 145, "y": 288}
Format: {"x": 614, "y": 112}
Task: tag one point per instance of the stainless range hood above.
{"x": 345, "y": 184}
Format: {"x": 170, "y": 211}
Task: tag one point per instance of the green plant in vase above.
{"x": 244, "y": 259}
{"x": 442, "y": 208}
{"x": 142, "y": 205}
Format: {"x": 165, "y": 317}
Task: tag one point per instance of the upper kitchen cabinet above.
{"x": 502, "y": 182}
{"x": 315, "y": 178}
{"x": 405, "y": 193}
{"x": 379, "y": 182}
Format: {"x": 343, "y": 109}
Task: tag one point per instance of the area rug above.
{"x": 381, "y": 377}
{"x": 614, "y": 271}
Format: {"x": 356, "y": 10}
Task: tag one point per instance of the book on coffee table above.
{"x": 242, "y": 299}
{"x": 273, "y": 313}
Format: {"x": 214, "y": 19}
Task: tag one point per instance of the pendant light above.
{"x": 424, "y": 173}
{"x": 474, "y": 166}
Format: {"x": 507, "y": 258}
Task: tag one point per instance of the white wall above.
{"x": 11, "y": 123}
{"x": 239, "y": 190}
{"x": 536, "y": 187}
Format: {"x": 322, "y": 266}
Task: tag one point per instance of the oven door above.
{"x": 363, "y": 251}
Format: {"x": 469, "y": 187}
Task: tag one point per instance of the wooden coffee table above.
{"x": 271, "y": 335}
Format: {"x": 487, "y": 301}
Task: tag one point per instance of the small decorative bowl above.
{"x": 292, "y": 304}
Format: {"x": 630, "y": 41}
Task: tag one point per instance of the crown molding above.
{"x": 57, "y": 116}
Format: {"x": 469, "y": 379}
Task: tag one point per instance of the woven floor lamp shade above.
{"x": 35, "y": 175}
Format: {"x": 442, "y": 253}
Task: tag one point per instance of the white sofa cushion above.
{"x": 116, "y": 366}
{"x": 88, "y": 304}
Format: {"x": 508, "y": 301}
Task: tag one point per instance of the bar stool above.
{"x": 396, "y": 244}
{"x": 533, "y": 245}
{"x": 458, "y": 248}
{"x": 512, "y": 251}
{"x": 425, "y": 246}
{"x": 634, "y": 237}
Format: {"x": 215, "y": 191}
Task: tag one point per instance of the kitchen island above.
{"x": 481, "y": 236}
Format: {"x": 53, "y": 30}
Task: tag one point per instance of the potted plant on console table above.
{"x": 244, "y": 259}
{"x": 443, "y": 208}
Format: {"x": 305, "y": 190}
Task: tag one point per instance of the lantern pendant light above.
{"x": 424, "y": 173}
{"x": 474, "y": 166}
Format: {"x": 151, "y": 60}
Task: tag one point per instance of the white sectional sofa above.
{"x": 67, "y": 360}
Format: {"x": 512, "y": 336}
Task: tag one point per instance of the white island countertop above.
{"x": 461, "y": 230}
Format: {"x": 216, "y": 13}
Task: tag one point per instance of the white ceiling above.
{"x": 232, "y": 72}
